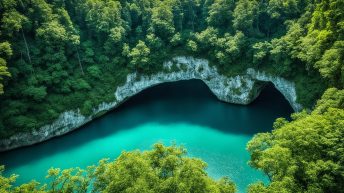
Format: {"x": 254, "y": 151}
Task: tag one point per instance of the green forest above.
{"x": 58, "y": 55}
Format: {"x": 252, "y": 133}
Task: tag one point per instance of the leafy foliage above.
{"x": 77, "y": 49}
{"x": 306, "y": 154}
{"x": 5, "y": 51}
{"x": 139, "y": 57}
{"x": 63, "y": 55}
{"x": 163, "y": 169}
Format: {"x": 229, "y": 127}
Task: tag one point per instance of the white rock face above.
{"x": 239, "y": 90}
{"x": 230, "y": 89}
{"x": 286, "y": 87}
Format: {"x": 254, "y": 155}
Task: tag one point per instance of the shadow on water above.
{"x": 179, "y": 102}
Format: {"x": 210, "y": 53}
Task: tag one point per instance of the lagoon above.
{"x": 184, "y": 112}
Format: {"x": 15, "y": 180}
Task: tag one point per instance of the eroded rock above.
{"x": 241, "y": 89}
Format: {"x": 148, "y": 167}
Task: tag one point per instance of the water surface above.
{"x": 184, "y": 112}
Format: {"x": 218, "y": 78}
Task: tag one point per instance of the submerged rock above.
{"x": 240, "y": 89}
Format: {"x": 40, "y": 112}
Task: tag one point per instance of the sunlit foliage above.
{"x": 163, "y": 169}
{"x": 306, "y": 154}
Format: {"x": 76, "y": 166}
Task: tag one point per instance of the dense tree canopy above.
{"x": 65, "y": 55}
{"x": 72, "y": 48}
{"x": 306, "y": 154}
{"x": 163, "y": 169}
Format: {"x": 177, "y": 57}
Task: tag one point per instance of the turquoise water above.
{"x": 185, "y": 113}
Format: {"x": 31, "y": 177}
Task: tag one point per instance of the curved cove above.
{"x": 184, "y": 112}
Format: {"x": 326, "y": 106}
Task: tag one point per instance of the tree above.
{"x": 5, "y": 52}
{"x": 208, "y": 38}
{"x": 36, "y": 93}
{"x": 117, "y": 35}
{"x": 322, "y": 47}
{"x": 331, "y": 64}
{"x": 178, "y": 15}
{"x": 192, "y": 46}
{"x": 154, "y": 43}
{"x": 140, "y": 14}
{"x": 189, "y": 15}
{"x": 12, "y": 22}
{"x": 139, "y": 57}
{"x": 102, "y": 16}
{"x": 304, "y": 155}
{"x": 163, "y": 169}
{"x": 332, "y": 98}
{"x": 245, "y": 15}
{"x": 312, "y": 44}
{"x": 176, "y": 40}
{"x": 278, "y": 9}
{"x": 162, "y": 21}
{"x": 229, "y": 48}
{"x": 261, "y": 51}
{"x": 220, "y": 14}
{"x": 52, "y": 33}
{"x": 115, "y": 41}
{"x": 94, "y": 71}
{"x": 6, "y": 182}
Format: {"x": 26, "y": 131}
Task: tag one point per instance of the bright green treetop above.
{"x": 306, "y": 154}
{"x": 161, "y": 170}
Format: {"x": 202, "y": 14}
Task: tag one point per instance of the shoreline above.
{"x": 240, "y": 89}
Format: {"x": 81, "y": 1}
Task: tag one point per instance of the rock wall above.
{"x": 241, "y": 89}
{"x": 286, "y": 87}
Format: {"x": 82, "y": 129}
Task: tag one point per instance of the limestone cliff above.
{"x": 241, "y": 89}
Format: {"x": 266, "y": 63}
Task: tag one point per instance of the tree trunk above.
{"x": 181, "y": 11}
{"x": 22, "y": 4}
{"x": 27, "y": 47}
{"x": 82, "y": 70}
{"x": 192, "y": 15}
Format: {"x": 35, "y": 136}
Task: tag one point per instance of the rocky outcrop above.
{"x": 240, "y": 89}
{"x": 286, "y": 87}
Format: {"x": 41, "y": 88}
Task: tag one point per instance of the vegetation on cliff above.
{"x": 81, "y": 50}
{"x": 61, "y": 55}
